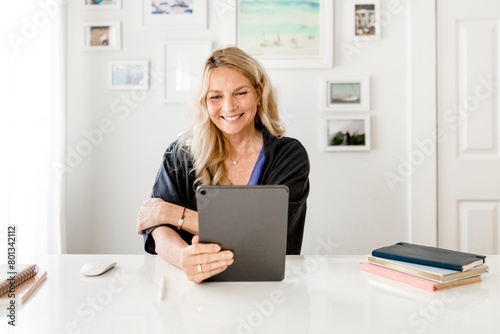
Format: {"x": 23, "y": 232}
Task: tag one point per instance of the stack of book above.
{"x": 425, "y": 267}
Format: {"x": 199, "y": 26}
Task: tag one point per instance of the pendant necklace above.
{"x": 235, "y": 162}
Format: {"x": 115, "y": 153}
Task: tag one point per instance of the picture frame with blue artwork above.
{"x": 129, "y": 75}
{"x": 287, "y": 34}
{"x": 102, "y": 4}
{"x": 178, "y": 15}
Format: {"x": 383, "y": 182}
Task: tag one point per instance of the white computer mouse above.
{"x": 96, "y": 268}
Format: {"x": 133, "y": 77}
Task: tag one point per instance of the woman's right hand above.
{"x": 150, "y": 214}
{"x": 201, "y": 261}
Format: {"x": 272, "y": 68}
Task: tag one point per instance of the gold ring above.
{"x": 200, "y": 270}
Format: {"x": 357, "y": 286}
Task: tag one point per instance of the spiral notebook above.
{"x": 26, "y": 280}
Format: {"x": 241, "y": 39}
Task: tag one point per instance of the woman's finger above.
{"x": 200, "y": 277}
{"x": 201, "y": 249}
{"x": 206, "y": 258}
{"x": 211, "y": 267}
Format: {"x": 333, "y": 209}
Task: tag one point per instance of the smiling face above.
{"x": 232, "y": 102}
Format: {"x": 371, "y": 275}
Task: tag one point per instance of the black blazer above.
{"x": 286, "y": 163}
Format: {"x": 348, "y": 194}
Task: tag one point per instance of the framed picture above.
{"x": 287, "y": 34}
{"x": 128, "y": 75}
{"x": 365, "y": 23}
{"x": 178, "y": 15}
{"x": 346, "y": 133}
{"x": 102, "y": 4}
{"x": 102, "y": 36}
{"x": 183, "y": 66}
{"x": 349, "y": 94}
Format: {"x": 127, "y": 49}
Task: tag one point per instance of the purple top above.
{"x": 257, "y": 169}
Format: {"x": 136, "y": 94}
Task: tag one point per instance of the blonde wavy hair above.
{"x": 204, "y": 141}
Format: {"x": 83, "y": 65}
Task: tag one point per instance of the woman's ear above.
{"x": 258, "y": 92}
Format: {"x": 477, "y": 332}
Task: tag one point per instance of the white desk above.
{"x": 319, "y": 295}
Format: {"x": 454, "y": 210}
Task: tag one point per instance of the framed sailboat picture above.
{"x": 287, "y": 34}
{"x": 348, "y": 94}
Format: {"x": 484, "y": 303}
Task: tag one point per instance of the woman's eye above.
{"x": 214, "y": 97}
{"x": 242, "y": 93}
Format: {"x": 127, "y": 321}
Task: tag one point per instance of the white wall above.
{"x": 352, "y": 208}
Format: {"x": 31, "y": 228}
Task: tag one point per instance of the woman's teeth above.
{"x": 231, "y": 118}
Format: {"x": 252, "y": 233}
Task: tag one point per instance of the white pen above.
{"x": 163, "y": 287}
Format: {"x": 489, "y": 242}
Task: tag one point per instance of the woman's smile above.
{"x": 232, "y": 118}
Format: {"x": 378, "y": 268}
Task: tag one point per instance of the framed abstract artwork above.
{"x": 178, "y": 15}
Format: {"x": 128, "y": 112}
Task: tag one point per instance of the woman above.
{"x": 236, "y": 139}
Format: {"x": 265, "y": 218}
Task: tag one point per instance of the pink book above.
{"x": 418, "y": 282}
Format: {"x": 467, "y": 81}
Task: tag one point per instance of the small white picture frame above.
{"x": 365, "y": 20}
{"x": 346, "y": 133}
{"x": 183, "y": 63}
{"x": 102, "y": 35}
{"x": 346, "y": 94}
{"x": 127, "y": 75}
{"x": 185, "y": 15}
{"x": 102, "y": 4}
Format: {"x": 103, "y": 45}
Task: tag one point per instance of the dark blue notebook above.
{"x": 430, "y": 256}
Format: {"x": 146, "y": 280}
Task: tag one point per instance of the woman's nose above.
{"x": 228, "y": 104}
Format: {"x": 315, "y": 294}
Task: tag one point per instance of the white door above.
{"x": 468, "y": 48}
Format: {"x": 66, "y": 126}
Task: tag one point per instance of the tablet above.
{"x": 252, "y": 222}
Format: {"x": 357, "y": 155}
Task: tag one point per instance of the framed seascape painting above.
{"x": 365, "y": 22}
{"x": 102, "y": 36}
{"x": 287, "y": 34}
{"x": 348, "y": 94}
{"x": 346, "y": 133}
{"x": 178, "y": 15}
{"x": 124, "y": 75}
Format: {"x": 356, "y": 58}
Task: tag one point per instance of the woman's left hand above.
{"x": 201, "y": 261}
